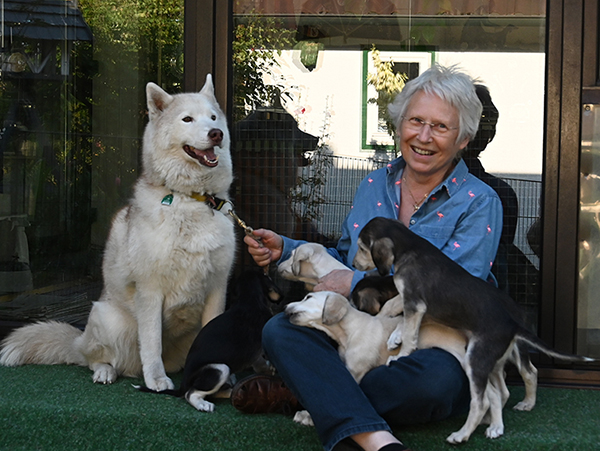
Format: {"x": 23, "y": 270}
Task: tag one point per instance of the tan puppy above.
{"x": 308, "y": 263}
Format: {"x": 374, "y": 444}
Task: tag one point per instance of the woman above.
{"x": 431, "y": 191}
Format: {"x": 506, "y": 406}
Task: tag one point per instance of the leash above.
{"x": 225, "y": 207}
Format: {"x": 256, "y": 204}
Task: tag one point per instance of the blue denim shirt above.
{"x": 462, "y": 216}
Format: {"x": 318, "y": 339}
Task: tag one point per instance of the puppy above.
{"x": 229, "y": 343}
{"x": 373, "y": 291}
{"x": 361, "y": 337}
{"x": 308, "y": 263}
{"x": 430, "y": 282}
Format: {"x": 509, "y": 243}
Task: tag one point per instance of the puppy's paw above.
{"x": 524, "y": 406}
{"x": 395, "y": 340}
{"x": 494, "y": 431}
{"x": 104, "y": 374}
{"x": 159, "y": 383}
{"x": 391, "y": 358}
{"x": 303, "y": 417}
{"x": 196, "y": 399}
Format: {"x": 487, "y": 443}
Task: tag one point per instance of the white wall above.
{"x": 515, "y": 80}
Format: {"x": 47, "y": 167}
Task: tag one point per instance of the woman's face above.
{"x": 430, "y": 151}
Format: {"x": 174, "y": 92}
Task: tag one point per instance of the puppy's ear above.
{"x": 300, "y": 255}
{"x": 382, "y": 252}
{"x": 334, "y": 309}
{"x": 367, "y": 300}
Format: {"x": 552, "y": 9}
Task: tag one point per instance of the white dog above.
{"x": 308, "y": 263}
{"x": 167, "y": 258}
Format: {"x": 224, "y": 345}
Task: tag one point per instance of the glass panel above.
{"x": 72, "y": 103}
{"x": 588, "y": 311}
{"x": 323, "y": 65}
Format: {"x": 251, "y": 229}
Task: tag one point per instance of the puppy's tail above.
{"x": 145, "y": 389}
{"x": 42, "y": 343}
{"x": 527, "y": 338}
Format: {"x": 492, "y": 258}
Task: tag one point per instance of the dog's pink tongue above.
{"x": 207, "y": 157}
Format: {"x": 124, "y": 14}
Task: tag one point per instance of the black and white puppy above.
{"x": 372, "y": 292}
{"x": 229, "y": 343}
{"x": 429, "y": 282}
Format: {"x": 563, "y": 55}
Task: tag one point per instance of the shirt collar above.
{"x": 452, "y": 183}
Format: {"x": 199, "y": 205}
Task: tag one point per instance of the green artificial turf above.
{"x": 58, "y": 408}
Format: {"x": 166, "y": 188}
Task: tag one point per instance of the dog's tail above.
{"x": 42, "y": 343}
{"x": 527, "y": 338}
{"x": 145, "y": 389}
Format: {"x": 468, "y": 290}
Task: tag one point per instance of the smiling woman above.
{"x": 435, "y": 115}
{"x": 443, "y": 203}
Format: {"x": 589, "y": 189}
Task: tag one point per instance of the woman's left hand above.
{"x": 339, "y": 280}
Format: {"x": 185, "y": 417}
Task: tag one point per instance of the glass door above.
{"x": 588, "y": 309}
{"x": 312, "y": 80}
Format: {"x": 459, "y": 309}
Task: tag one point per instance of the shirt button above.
{"x": 413, "y": 222}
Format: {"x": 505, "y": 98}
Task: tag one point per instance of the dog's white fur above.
{"x": 165, "y": 267}
{"x": 308, "y": 263}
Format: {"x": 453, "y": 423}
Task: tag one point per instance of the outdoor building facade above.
{"x": 305, "y": 85}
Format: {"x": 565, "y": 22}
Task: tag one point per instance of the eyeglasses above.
{"x": 417, "y": 124}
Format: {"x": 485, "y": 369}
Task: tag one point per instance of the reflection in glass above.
{"x": 332, "y": 67}
{"x": 72, "y": 106}
{"x": 588, "y": 311}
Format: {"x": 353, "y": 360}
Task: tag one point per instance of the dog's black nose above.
{"x": 216, "y": 136}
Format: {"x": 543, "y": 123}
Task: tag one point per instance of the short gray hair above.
{"x": 450, "y": 84}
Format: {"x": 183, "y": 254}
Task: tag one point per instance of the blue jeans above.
{"x": 426, "y": 386}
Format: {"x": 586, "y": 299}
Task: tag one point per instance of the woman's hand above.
{"x": 338, "y": 280}
{"x": 270, "y": 248}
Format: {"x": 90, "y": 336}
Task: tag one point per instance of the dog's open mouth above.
{"x": 206, "y": 157}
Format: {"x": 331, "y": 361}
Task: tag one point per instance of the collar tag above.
{"x": 167, "y": 200}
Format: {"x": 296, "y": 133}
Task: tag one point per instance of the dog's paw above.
{"x": 494, "y": 431}
{"x": 524, "y": 406}
{"x": 391, "y": 358}
{"x": 104, "y": 374}
{"x": 303, "y": 417}
{"x": 196, "y": 399}
{"x": 395, "y": 340}
{"x": 159, "y": 383}
{"x": 458, "y": 437}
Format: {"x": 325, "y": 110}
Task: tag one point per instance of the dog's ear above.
{"x": 296, "y": 264}
{"x": 382, "y": 252}
{"x": 368, "y": 300}
{"x": 157, "y": 100}
{"x": 301, "y": 254}
{"x": 334, "y": 309}
{"x": 209, "y": 88}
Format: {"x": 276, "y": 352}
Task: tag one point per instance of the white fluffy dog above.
{"x": 167, "y": 259}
